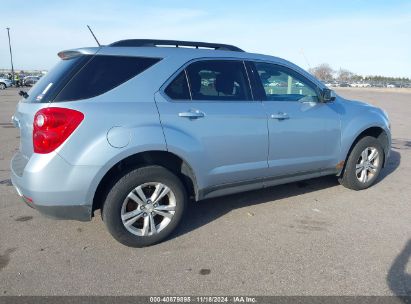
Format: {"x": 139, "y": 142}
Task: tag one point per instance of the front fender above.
{"x": 365, "y": 117}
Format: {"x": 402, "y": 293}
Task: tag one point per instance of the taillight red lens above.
{"x": 52, "y": 126}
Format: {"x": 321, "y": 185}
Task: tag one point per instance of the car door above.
{"x": 210, "y": 119}
{"x": 304, "y": 133}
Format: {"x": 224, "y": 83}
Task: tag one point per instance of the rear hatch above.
{"x": 41, "y": 94}
{"x": 79, "y": 76}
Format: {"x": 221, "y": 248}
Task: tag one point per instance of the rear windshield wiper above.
{"x": 24, "y": 94}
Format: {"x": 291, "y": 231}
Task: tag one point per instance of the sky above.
{"x": 364, "y": 36}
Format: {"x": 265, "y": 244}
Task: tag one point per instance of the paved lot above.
{"x": 307, "y": 238}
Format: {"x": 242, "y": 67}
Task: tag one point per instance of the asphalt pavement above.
{"x": 307, "y": 238}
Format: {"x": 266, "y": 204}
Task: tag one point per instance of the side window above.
{"x": 218, "y": 80}
{"x": 102, "y": 74}
{"x": 178, "y": 88}
{"x": 281, "y": 84}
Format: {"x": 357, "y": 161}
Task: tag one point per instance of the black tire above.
{"x": 349, "y": 177}
{"x": 2, "y": 86}
{"x": 113, "y": 204}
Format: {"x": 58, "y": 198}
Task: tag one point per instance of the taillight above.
{"x": 52, "y": 126}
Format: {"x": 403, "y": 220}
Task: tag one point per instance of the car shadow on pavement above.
{"x": 398, "y": 279}
{"x": 392, "y": 164}
{"x": 401, "y": 143}
{"x": 201, "y": 213}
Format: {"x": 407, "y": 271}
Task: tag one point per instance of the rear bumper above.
{"x": 54, "y": 187}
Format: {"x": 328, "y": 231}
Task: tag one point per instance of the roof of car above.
{"x": 174, "y": 43}
{"x": 161, "y": 52}
{"x": 180, "y": 51}
{"x": 165, "y": 48}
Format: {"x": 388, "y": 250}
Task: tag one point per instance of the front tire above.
{"x": 144, "y": 206}
{"x": 2, "y": 86}
{"x": 363, "y": 165}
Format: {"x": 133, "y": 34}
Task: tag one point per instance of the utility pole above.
{"x": 11, "y": 56}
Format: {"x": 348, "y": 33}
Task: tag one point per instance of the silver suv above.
{"x": 139, "y": 127}
{"x": 5, "y": 83}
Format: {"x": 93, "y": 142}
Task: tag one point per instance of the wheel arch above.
{"x": 166, "y": 159}
{"x": 374, "y": 131}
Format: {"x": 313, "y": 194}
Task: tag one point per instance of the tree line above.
{"x": 326, "y": 73}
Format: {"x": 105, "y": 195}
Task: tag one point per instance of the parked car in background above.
{"x": 360, "y": 85}
{"x": 29, "y": 81}
{"x": 274, "y": 84}
{"x": 5, "y": 83}
{"x": 134, "y": 129}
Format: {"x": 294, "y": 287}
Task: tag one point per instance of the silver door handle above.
{"x": 191, "y": 114}
{"x": 280, "y": 116}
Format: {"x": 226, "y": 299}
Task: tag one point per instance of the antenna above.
{"x": 93, "y": 35}
{"x": 305, "y": 58}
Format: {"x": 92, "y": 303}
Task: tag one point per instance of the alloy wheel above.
{"x": 367, "y": 164}
{"x": 148, "y": 209}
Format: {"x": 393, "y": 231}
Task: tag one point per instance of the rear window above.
{"x": 87, "y": 76}
{"x": 101, "y": 74}
{"x": 51, "y": 84}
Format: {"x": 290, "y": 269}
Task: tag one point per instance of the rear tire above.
{"x": 144, "y": 206}
{"x": 2, "y": 86}
{"x": 363, "y": 165}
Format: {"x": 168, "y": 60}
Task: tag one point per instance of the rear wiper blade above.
{"x": 24, "y": 94}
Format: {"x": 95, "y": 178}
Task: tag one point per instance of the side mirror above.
{"x": 327, "y": 95}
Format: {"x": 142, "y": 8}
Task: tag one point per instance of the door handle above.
{"x": 280, "y": 116}
{"x": 192, "y": 114}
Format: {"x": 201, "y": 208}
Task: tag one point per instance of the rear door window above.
{"x": 223, "y": 80}
{"x": 103, "y": 73}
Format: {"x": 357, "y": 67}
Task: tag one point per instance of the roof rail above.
{"x": 176, "y": 43}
